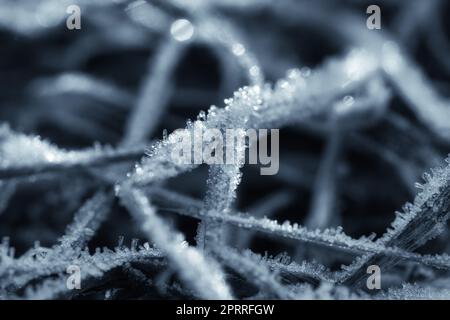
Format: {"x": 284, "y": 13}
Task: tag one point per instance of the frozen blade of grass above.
{"x": 305, "y": 270}
{"x": 266, "y": 107}
{"x": 255, "y": 272}
{"x": 414, "y": 292}
{"x": 46, "y": 290}
{"x": 223, "y": 180}
{"x": 271, "y": 203}
{"x": 42, "y": 262}
{"x": 91, "y": 161}
{"x": 421, "y": 221}
{"x": 282, "y": 264}
{"x": 20, "y": 16}
{"x": 329, "y": 237}
{"x": 7, "y": 190}
{"x": 323, "y": 212}
{"x": 402, "y": 71}
{"x": 93, "y": 267}
{"x": 85, "y": 223}
{"x": 148, "y": 15}
{"x": 137, "y": 277}
{"x": 332, "y": 238}
{"x": 23, "y": 155}
{"x": 17, "y": 148}
{"x": 218, "y": 30}
{"x": 87, "y": 220}
{"x": 199, "y": 272}
{"x": 222, "y": 183}
{"x": 267, "y": 206}
{"x": 328, "y": 291}
{"x": 155, "y": 93}
{"x": 297, "y": 98}
{"x": 81, "y": 84}
{"x": 417, "y": 90}
{"x": 230, "y": 72}
{"x": 410, "y": 81}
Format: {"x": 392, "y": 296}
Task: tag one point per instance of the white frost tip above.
{"x": 182, "y": 30}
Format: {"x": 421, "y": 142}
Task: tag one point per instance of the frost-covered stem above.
{"x": 323, "y": 203}
{"x": 222, "y": 183}
{"x": 414, "y": 292}
{"x": 332, "y": 238}
{"x": 87, "y": 220}
{"x": 83, "y": 84}
{"x": 411, "y": 82}
{"x": 155, "y": 92}
{"x": 93, "y": 268}
{"x": 267, "y": 207}
{"x": 311, "y": 272}
{"x": 90, "y": 161}
{"x": 199, "y": 272}
{"x": 42, "y": 262}
{"x": 420, "y": 222}
{"x": 223, "y": 180}
{"x": 24, "y": 155}
{"x": 218, "y": 31}
{"x": 7, "y": 190}
{"x": 417, "y": 90}
{"x": 252, "y": 269}
{"x": 230, "y": 71}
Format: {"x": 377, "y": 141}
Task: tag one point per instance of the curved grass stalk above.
{"x": 199, "y": 272}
